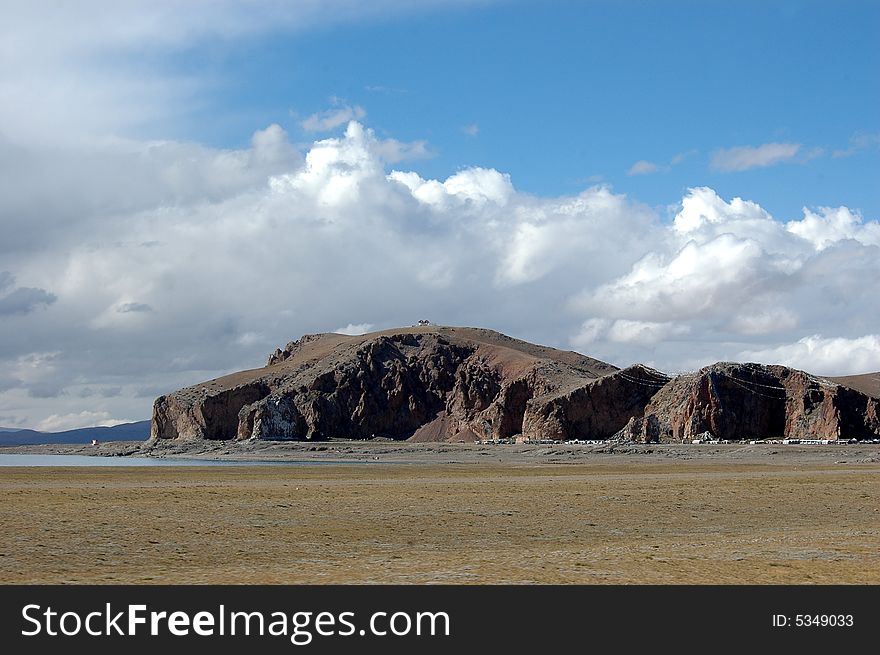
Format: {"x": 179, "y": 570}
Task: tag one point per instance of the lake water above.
{"x": 88, "y": 460}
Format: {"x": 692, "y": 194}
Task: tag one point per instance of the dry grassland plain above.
{"x": 608, "y": 522}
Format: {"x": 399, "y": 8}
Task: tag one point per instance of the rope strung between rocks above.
{"x": 646, "y": 383}
{"x": 748, "y": 385}
{"x": 765, "y": 395}
{"x": 757, "y": 384}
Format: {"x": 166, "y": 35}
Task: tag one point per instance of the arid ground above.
{"x": 602, "y": 519}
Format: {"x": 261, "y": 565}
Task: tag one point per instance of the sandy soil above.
{"x": 729, "y": 514}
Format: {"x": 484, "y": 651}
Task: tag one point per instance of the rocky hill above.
{"x": 431, "y": 383}
{"x": 751, "y": 401}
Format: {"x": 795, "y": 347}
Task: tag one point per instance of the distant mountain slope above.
{"x": 139, "y": 431}
{"x": 868, "y": 383}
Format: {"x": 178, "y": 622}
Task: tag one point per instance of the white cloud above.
{"x": 480, "y": 185}
{"x": 333, "y": 118}
{"x": 825, "y": 356}
{"x": 477, "y": 186}
{"x": 81, "y": 71}
{"x": 237, "y": 252}
{"x": 643, "y": 167}
{"x": 84, "y": 419}
{"x": 730, "y": 274}
{"x": 471, "y": 130}
{"x": 743, "y": 158}
{"x": 833, "y": 224}
{"x": 697, "y": 280}
{"x": 627, "y": 332}
{"x": 702, "y": 207}
{"x": 354, "y": 329}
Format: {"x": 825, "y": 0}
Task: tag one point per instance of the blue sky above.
{"x": 187, "y": 186}
{"x": 568, "y": 93}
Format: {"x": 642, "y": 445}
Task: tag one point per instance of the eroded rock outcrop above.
{"x": 449, "y": 383}
{"x": 751, "y": 401}
{"x": 596, "y": 410}
{"x": 432, "y": 383}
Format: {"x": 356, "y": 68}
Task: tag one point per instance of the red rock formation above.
{"x": 463, "y": 384}
{"x": 451, "y": 383}
{"x": 752, "y": 401}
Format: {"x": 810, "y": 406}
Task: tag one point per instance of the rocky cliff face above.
{"x": 437, "y": 383}
{"x": 452, "y": 384}
{"x": 751, "y": 401}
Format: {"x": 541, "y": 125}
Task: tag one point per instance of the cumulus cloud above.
{"x": 477, "y": 186}
{"x": 824, "y": 355}
{"x": 742, "y": 158}
{"x": 471, "y": 130}
{"x": 730, "y": 270}
{"x": 832, "y": 225}
{"x": 86, "y": 187}
{"x": 220, "y": 256}
{"x": 690, "y": 282}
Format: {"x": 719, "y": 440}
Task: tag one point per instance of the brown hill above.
{"x": 437, "y": 383}
{"x": 751, "y": 401}
{"x": 432, "y": 383}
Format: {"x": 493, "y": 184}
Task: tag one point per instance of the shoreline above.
{"x": 353, "y": 451}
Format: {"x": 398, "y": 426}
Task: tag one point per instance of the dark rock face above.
{"x": 751, "y": 401}
{"x": 596, "y": 410}
{"x": 462, "y": 384}
{"x": 184, "y": 415}
{"x": 391, "y": 387}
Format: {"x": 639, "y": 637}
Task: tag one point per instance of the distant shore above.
{"x": 343, "y": 451}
